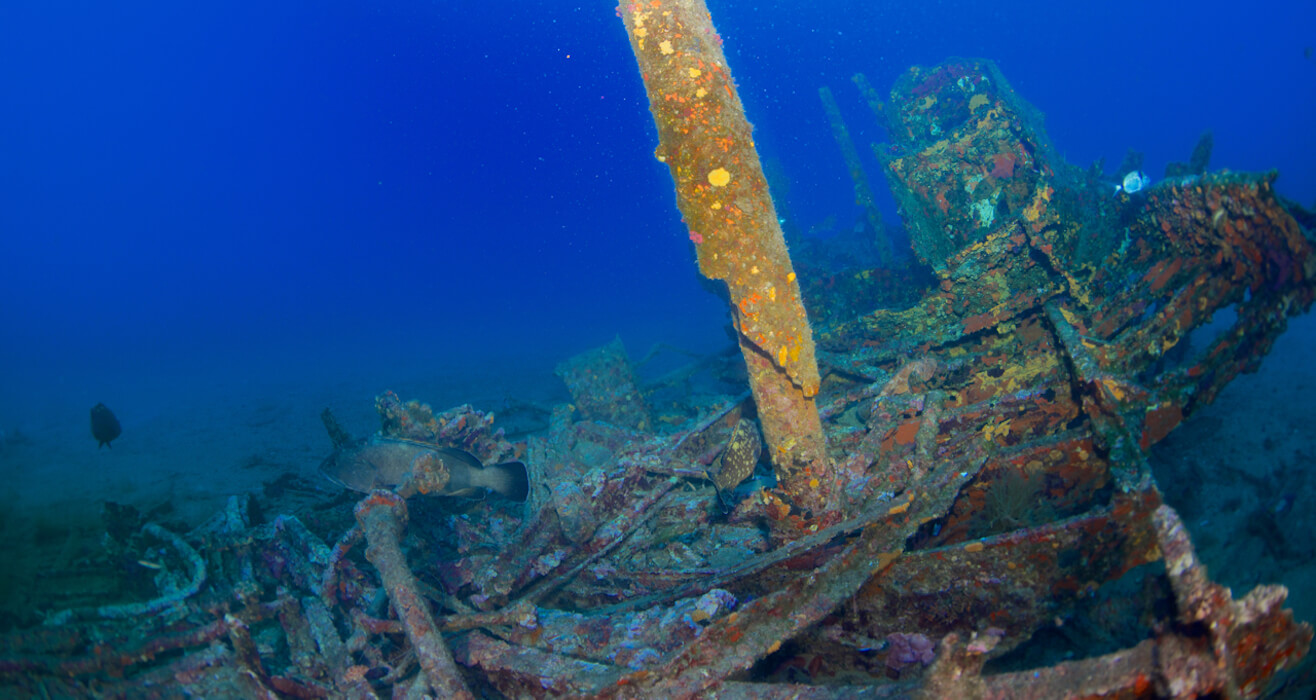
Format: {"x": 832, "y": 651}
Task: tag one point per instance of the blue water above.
{"x": 199, "y": 197}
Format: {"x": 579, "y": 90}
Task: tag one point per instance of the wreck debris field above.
{"x": 681, "y": 348}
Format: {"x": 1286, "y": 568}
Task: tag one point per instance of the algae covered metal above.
{"x": 708, "y": 146}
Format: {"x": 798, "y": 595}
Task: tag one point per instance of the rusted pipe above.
{"x": 381, "y": 516}
{"x": 707, "y": 144}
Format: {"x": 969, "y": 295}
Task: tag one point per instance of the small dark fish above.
{"x": 104, "y": 426}
{"x": 383, "y": 463}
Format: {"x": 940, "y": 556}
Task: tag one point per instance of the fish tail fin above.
{"x": 509, "y": 479}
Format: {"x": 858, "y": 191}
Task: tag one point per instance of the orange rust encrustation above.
{"x": 708, "y": 145}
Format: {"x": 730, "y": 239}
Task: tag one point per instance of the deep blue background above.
{"x": 195, "y": 192}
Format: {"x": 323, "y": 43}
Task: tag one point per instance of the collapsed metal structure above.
{"x": 988, "y": 444}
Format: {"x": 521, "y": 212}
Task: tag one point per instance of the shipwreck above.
{"x": 953, "y": 453}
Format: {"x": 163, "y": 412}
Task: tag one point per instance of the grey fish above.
{"x": 104, "y": 426}
{"x": 383, "y": 463}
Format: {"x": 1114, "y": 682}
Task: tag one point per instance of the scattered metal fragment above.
{"x": 196, "y": 579}
{"x": 603, "y": 387}
{"x": 382, "y": 516}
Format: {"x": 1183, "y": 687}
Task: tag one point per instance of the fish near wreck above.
{"x": 104, "y": 426}
{"x": 386, "y": 463}
{"x": 737, "y": 461}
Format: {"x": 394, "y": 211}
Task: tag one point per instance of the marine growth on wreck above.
{"x": 971, "y": 465}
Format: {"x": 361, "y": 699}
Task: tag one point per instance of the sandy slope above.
{"x": 1241, "y": 474}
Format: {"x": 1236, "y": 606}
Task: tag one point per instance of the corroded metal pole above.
{"x": 381, "y": 516}
{"x": 708, "y": 146}
{"x": 863, "y": 194}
